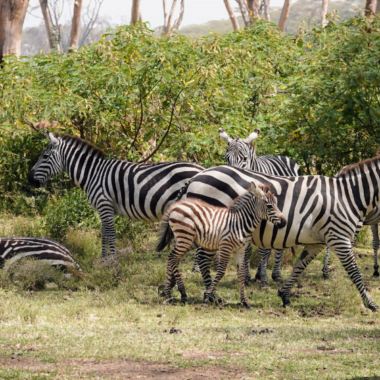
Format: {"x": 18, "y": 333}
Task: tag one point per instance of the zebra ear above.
{"x": 256, "y": 190}
{"x": 52, "y": 139}
{"x": 223, "y": 135}
{"x": 253, "y": 136}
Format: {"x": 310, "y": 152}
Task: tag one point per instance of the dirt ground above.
{"x": 120, "y": 369}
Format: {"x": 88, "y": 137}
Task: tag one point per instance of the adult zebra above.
{"x": 241, "y": 153}
{"x": 138, "y": 191}
{"x": 46, "y": 250}
{"x": 319, "y": 210}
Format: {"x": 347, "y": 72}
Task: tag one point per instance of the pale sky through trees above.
{"x": 119, "y": 11}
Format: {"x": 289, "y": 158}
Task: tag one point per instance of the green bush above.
{"x": 71, "y": 210}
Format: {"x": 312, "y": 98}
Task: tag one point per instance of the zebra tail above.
{"x": 183, "y": 189}
{"x": 165, "y": 235}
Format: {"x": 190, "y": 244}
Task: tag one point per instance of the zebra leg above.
{"x": 325, "y": 269}
{"x": 375, "y": 245}
{"x": 106, "y": 214}
{"x": 247, "y": 258}
{"x": 241, "y": 272}
{"x": 204, "y": 259}
{"x": 224, "y": 256}
{"x": 264, "y": 256}
{"x": 347, "y": 258}
{"x": 307, "y": 255}
{"x": 276, "y": 273}
{"x": 196, "y": 267}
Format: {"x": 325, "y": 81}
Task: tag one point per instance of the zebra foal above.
{"x": 226, "y": 230}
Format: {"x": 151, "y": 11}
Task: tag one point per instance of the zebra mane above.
{"x": 241, "y": 201}
{"x": 358, "y": 167}
{"x": 69, "y": 138}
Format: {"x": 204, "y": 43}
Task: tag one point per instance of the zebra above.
{"x": 138, "y": 191}
{"x": 47, "y": 250}
{"x": 242, "y": 154}
{"x": 319, "y": 211}
{"x": 227, "y": 230}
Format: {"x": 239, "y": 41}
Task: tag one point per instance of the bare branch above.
{"x": 325, "y": 4}
{"x": 243, "y": 6}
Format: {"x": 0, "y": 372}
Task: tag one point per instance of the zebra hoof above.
{"x": 257, "y": 277}
{"x": 247, "y": 281}
{"x": 376, "y": 272}
{"x": 246, "y": 305}
{"x": 284, "y": 297}
{"x": 326, "y": 275}
{"x": 263, "y": 285}
{"x": 160, "y": 290}
{"x": 183, "y": 301}
{"x": 373, "y": 307}
{"x": 278, "y": 279}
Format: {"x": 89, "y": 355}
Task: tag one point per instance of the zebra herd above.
{"x": 319, "y": 210}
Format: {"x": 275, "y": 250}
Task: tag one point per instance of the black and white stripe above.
{"x": 241, "y": 153}
{"x": 373, "y": 220}
{"x": 319, "y": 211}
{"x": 226, "y": 230}
{"x": 138, "y": 191}
{"x": 47, "y": 250}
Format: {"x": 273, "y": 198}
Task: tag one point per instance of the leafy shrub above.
{"x": 71, "y": 210}
{"x": 33, "y": 274}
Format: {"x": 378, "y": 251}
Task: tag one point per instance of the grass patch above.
{"x": 112, "y": 313}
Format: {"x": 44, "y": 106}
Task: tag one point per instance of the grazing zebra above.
{"x": 43, "y": 249}
{"x": 319, "y": 211}
{"x": 138, "y": 191}
{"x": 226, "y": 230}
{"x": 242, "y": 154}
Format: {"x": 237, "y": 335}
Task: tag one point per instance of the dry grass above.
{"x": 52, "y": 333}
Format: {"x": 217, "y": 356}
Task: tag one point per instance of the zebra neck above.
{"x": 244, "y": 209}
{"x": 80, "y": 162}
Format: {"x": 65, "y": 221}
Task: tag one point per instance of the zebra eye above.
{"x": 45, "y": 156}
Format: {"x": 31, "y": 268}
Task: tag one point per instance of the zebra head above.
{"x": 240, "y": 152}
{"x": 49, "y": 164}
{"x": 266, "y": 206}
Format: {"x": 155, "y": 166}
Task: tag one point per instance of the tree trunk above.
{"x": 165, "y": 17}
{"x": 243, "y": 12}
{"x": 266, "y": 10}
{"x": 75, "y": 27}
{"x": 370, "y": 7}
{"x": 180, "y": 17}
{"x": 170, "y": 17}
{"x": 377, "y": 6}
{"x": 253, "y": 6}
{"x": 51, "y": 30}
{"x": 12, "y": 15}
{"x": 135, "y": 11}
{"x": 231, "y": 13}
{"x": 140, "y": 18}
{"x": 325, "y": 4}
{"x": 284, "y": 14}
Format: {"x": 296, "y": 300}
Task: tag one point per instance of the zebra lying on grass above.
{"x": 226, "y": 230}
{"x": 241, "y": 153}
{"x": 138, "y": 191}
{"x": 47, "y": 250}
{"x": 319, "y": 211}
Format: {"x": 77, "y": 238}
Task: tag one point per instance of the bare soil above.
{"x": 121, "y": 369}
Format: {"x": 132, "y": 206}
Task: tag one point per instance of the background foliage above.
{"x": 315, "y": 97}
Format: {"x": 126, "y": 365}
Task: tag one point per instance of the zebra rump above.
{"x": 46, "y": 250}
